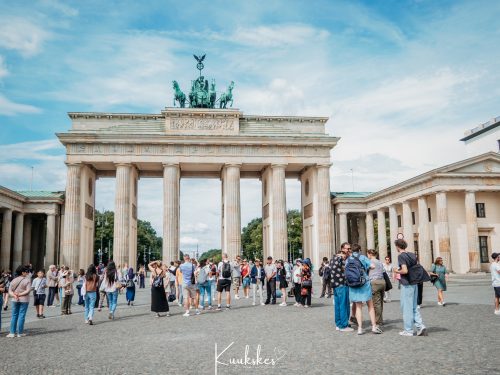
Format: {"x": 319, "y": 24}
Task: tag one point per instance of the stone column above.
{"x": 324, "y": 210}
{"x": 382, "y": 234}
{"x": 18, "y": 240}
{"x": 362, "y": 232}
{"x": 171, "y": 188}
{"x": 408, "y": 226}
{"x": 370, "y": 233}
{"x": 443, "y": 229}
{"x": 27, "y": 240}
{"x": 472, "y": 233}
{"x": 232, "y": 210}
{"x": 6, "y": 239}
{"x": 393, "y": 232}
{"x": 424, "y": 245}
{"x": 122, "y": 215}
{"x": 71, "y": 245}
{"x": 50, "y": 241}
{"x": 279, "y": 218}
{"x": 344, "y": 235}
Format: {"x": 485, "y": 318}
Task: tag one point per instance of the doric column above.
{"x": 27, "y": 240}
{"x": 122, "y": 214}
{"x": 171, "y": 187}
{"x": 343, "y": 233}
{"x": 325, "y": 220}
{"x": 50, "y": 241}
{"x": 382, "y": 234}
{"x": 71, "y": 245}
{"x": 18, "y": 240}
{"x": 370, "y": 233}
{"x": 443, "y": 229}
{"x": 362, "y": 232}
{"x": 472, "y": 233}
{"x": 6, "y": 239}
{"x": 408, "y": 226}
{"x": 279, "y": 219}
{"x": 232, "y": 210}
{"x": 393, "y": 232}
{"x": 424, "y": 246}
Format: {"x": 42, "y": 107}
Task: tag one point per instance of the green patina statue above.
{"x": 202, "y": 94}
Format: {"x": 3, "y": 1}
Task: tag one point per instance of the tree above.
{"x": 215, "y": 254}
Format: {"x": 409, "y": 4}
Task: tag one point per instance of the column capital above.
{"x": 471, "y": 191}
{"x": 236, "y": 165}
{"x": 283, "y": 165}
{"x": 324, "y": 165}
{"x": 176, "y": 165}
{"x": 73, "y": 164}
{"x": 50, "y": 214}
{"x": 120, "y": 164}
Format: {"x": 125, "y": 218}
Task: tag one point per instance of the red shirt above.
{"x": 245, "y": 270}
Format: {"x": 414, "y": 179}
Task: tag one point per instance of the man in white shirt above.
{"x": 495, "y": 280}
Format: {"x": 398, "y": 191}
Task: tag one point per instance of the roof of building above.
{"x": 350, "y": 194}
{"x": 487, "y": 126}
{"x": 41, "y": 193}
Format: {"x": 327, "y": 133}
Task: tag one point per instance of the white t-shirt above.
{"x": 296, "y": 275}
{"x": 495, "y": 276}
{"x": 171, "y": 275}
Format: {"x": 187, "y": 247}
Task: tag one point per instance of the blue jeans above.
{"x": 18, "y": 316}
{"x": 90, "y": 298}
{"x": 113, "y": 301}
{"x": 205, "y": 288}
{"x": 213, "y": 288}
{"x": 341, "y": 306}
{"x": 411, "y": 315}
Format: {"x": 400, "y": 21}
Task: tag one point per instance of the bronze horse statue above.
{"x": 227, "y": 97}
{"x": 179, "y": 95}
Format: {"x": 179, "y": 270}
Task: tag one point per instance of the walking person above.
{"x": 270, "y": 271}
{"x": 130, "y": 286}
{"x": 389, "y": 270}
{"x": 142, "y": 277}
{"x": 102, "y": 296}
{"x": 89, "y": 292}
{"x": 245, "y": 278}
{"x": 203, "y": 273}
{"x": 19, "y": 291}
{"x": 306, "y": 283}
{"x": 340, "y": 290}
{"x": 377, "y": 281}
{"x": 111, "y": 285}
{"x": 188, "y": 285}
{"x": 283, "y": 283}
{"x": 224, "y": 273}
{"x": 236, "y": 274}
{"x": 409, "y": 293}
{"x": 52, "y": 285}
{"x": 324, "y": 273}
{"x": 360, "y": 289}
{"x": 159, "y": 302}
{"x": 441, "y": 272}
{"x": 495, "y": 279}
{"x": 2, "y": 290}
{"x": 257, "y": 280}
{"x": 296, "y": 272}
{"x": 39, "y": 285}
{"x": 7, "y": 278}
{"x": 79, "y": 284}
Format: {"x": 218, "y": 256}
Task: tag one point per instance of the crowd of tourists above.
{"x": 352, "y": 278}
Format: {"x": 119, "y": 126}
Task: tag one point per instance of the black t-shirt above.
{"x": 409, "y": 259}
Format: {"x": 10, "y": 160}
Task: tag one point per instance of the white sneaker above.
{"x": 237, "y": 296}
{"x": 497, "y": 312}
{"x": 253, "y": 304}
{"x": 346, "y": 329}
{"x": 21, "y": 334}
{"x": 197, "y": 312}
{"x": 86, "y": 322}
{"x": 11, "y": 335}
{"x": 283, "y": 304}
{"x": 262, "y": 304}
{"x": 337, "y": 329}
{"x": 444, "y": 303}
{"x": 440, "y": 304}
{"x": 168, "y": 314}
{"x": 180, "y": 304}
{"x": 405, "y": 333}
{"x": 247, "y": 297}
{"x": 186, "y": 313}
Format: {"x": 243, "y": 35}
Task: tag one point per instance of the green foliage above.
{"x": 215, "y": 254}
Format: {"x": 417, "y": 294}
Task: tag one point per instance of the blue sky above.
{"x": 400, "y": 80}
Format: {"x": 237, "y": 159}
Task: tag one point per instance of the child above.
{"x": 39, "y": 284}
{"x": 67, "y": 286}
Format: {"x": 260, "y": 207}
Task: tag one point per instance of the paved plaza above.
{"x": 461, "y": 339}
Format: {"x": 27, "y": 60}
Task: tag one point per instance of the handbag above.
{"x": 130, "y": 283}
{"x": 388, "y": 284}
{"x": 307, "y": 283}
{"x": 434, "y": 278}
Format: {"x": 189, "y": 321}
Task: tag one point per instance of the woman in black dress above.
{"x": 159, "y": 303}
{"x": 283, "y": 282}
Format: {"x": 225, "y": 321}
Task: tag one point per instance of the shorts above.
{"x": 246, "y": 282}
{"x": 188, "y": 291}
{"x": 237, "y": 281}
{"x": 39, "y": 299}
{"x": 224, "y": 285}
{"x": 497, "y": 291}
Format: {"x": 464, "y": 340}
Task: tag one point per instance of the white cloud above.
{"x": 22, "y": 35}
{"x": 9, "y": 108}
{"x": 3, "y": 67}
{"x": 61, "y": 7}
{"x": 189, "y": 241}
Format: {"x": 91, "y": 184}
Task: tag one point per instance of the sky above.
{"x": 400, "y": 81}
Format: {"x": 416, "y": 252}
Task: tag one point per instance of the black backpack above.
{"x": 355, "y": 273}
{"x": 226, "y": 270}
{"x": 416, "y": 273}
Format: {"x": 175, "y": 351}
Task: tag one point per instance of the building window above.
{"x": 483, "y": 248}
{"x": 413, "y": 218}
{"x": 399, "y": 221}
{"x": 480, "y": 211}
{"x": 415, "y": 247}
{"x": 432, "y": 251}
{"x": 429, "y": 214}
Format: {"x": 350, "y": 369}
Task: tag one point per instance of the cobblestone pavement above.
{"x": 463, "y": 339}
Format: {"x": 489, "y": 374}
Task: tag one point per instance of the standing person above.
{"x": 245, "y": 278}
{"x": 142, "y": 277}
{"x": 441, "y": 272}
{"x": 111, "y": 285}
{"x": 52, "y": 285}
{"x": 377, "y": 281}
{"x": 188, "y": 284}
{"x": 340, "y": 290}
{"x": 306, "y": 283}
{"x": 203, "y": 273}
{"x": 270, "y": 271}
{"x": 257, "y": 280}
{"x": 159, "y": 302}
{"x": 296, "y": 275}
{"x": 38, "y": 285}
{"x": 389, "y": 270}
{"x": 130, "y": 286}
{"x": 224, "y": 273}
{"x": 60, "y": 293}
{"x": 171, "y": 277}
{"x": 89, "y": 292}
{"x": 66, "y": 284}
{"x": 283, "y": 282}
{"x": 411, "y": 314}
{"x": 79, "y": 284}
{"x": 102, "y": 294}
{"x": 212, "y": 278}
{"x": 2, "y": 290}
{"x": 236, "y": 273}
{"x": 324, "y": 273}
{"x": 495, "y": 280}
{"x": 19, "y": 291}
{"x": 7, "y": 278}
{"x": 179, "y": 283}
{"x": 360, "y": 289}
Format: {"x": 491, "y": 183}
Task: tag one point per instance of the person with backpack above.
{"x": 203, "y": 273}
{"x": 188, "y": 285}
{"x": 411, "y": 274}
{"x": 224, "y": 272}
{"x": 325, "y": 274}
{"x": 130, "y": 286}
{"x": 360, "y": 290}
{"x": 171, "y": 277}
